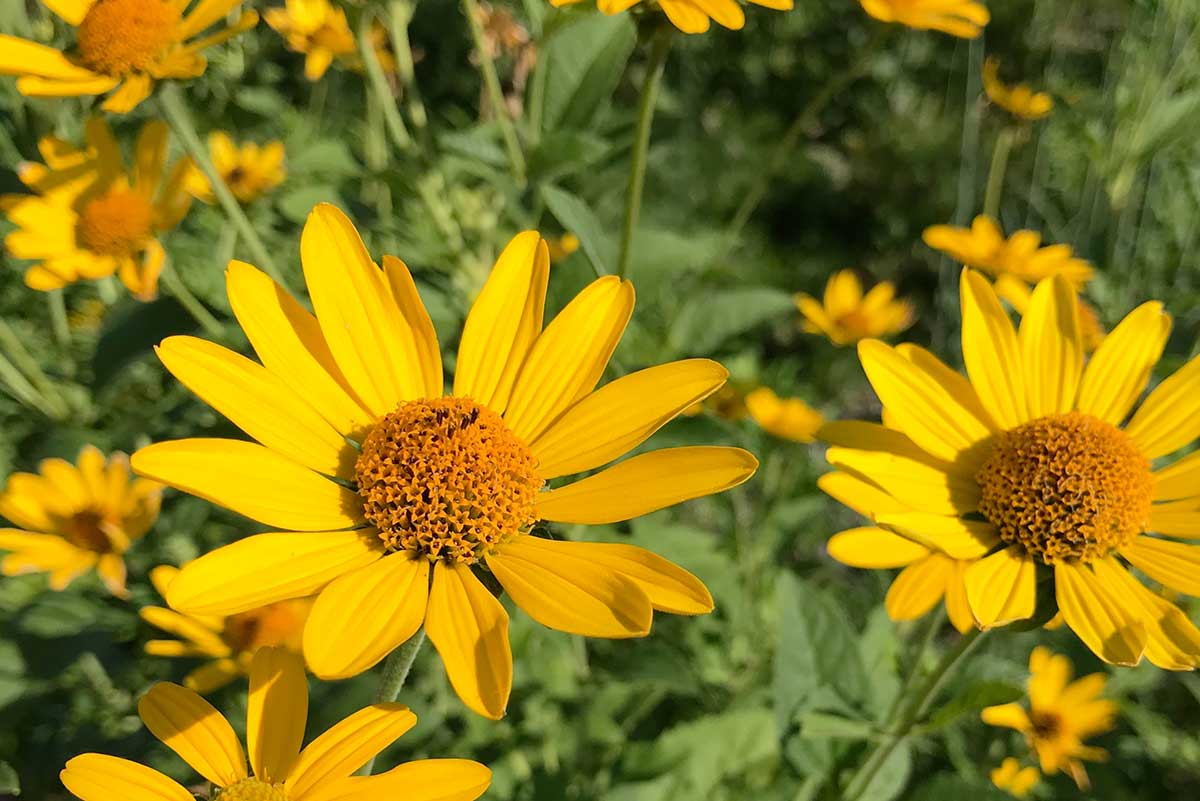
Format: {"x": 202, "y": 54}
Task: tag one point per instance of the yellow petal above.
{"x": 347, "y": 745}
{"x": 21, "y": 502}
{"x": 569, "y": 357}
{"x": 1172, "y": 641}
{"x": 991, "y": 353}
{"x": 922, "y": 487}
{"x": 22, "y": 57}
{"x": 265, "y": 568}
{"x": 186, "y": 627}
{"x": 72, "y": 11}
{"x": 149, "y": 157}
{"x": 469, "y": 628}
{"x": 725, "y": 13}
{"x": 203, "y": 15}
{"x": 1176, "y": 518}
{"x": 959, "y": 387}
{"x": 277, "y": 711}
{"x": 251, "y": 480}
{"x": 919, "y": 587}
{"x": 1011, "y": 716}
{"x": 872, "y": 548}
{"x": 953, "y": 536}
{"x": 1002, "y": 588}
{"x": 364, "y": 615}
{"x": 864, "y": 436}
{"x": 213, "y": 676}
{"x": 646, "y": 483}
{"x": 174, "y": 649}
{"x": 1176, "y": 481}
{"x": 1173, "y": 564}
{"x": 408, "y": 300}
{"x": 862, "y": 496}
{"x": 503, "y": 323}
{"x": 1169, "y": 418}
{"x": 162, "y": 576}
{"x": 259, "y": 403}
{"x": 1120, "y": 368}
{"x": 135, "y": 88}
{"x": 1103, "y": 622}
{"x": 1051, "y": 348}
{"x": 431, "y": 780}
{"x": 192, "y": 728}
{"x": 100, "y": 777}
{"x": 958, "y": 608}
{"x": 562, "y": 589}
{"x": 685, "y": 16}
{"x": 621, "y": 415}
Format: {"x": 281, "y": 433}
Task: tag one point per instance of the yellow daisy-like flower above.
{"x": 1020, "y": 100}
{"x": 1021, "y": 255}
{"x": 691, "y": 16}
{"x": 562, "y": 246}
{"x": 278, "y": 770}
{"x": 75, "y": 518}
{"x": 1029, "y": 466}
{"x": 847, "y": 315}
{"x": 786, "y": 418}
{"x": 315, "y": 28}
{"x": 1018, "y": 294}
{"x": 1015, "y": 780}
{"x": 110, "y": 225}
{"x": 727, "y": 403}
{"x": 433, "y": 487}
{"x": 124, "y": 45}
{"x": 229, "y": 643}
{"x": 962, "y": 18}
{"x": 249, "y": 170}
{"x": 1061, "y": 715}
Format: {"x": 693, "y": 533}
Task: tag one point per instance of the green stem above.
{"x": 23, "y": 373}
{"x": 491, "y": 83}
{"x": 915, "y": 707}
{"x": 107, "y": 287}
{"x": 171, "y": 280}
{"x": 400, "y": 14}
{"x": 58, "y": 317}
{"x": 660, "y": 47}
{"x": 396, "y": 128}
{"x": 175, "y": 109}
{"x": 995, "y": 181}
{"x": 395, "y": 673}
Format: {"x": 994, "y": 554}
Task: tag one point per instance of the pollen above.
{"x": 116, "y": 223}
{"x": 1066, "y": 487}
{"x": 446, "y": 479}
{"x": 252, "y": 789}
{"x": 117, "y": 37}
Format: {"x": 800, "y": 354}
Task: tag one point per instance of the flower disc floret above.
{"x": 252, "y": 789}
{"x": 446, "y": 478}
{"x": 1066, "y": 487}
{"x": 117, "y": 37}
{"x": 116, "y": 223}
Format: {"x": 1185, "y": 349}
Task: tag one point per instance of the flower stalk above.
{"x": 491, "y": 84}
{"x": 385, "y": 100}
{"x": 997, "y": 171}
{"x": 395, "y": 672}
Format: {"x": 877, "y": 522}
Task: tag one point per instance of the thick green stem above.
{"x": 58, "y": 317}
{"x": 395, "y": 673}
{"x": 171, "y": 280}
{"x": 914, "y": 707}
{"x": 396, "y": 128}
{"x": 174, "y": 108}
{"x": 660, "y": 47}
{"x": 995, "y": 181}
{"x": 491, "y": 84}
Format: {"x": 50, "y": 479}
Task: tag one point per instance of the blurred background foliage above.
{"x": 777, "y": 693}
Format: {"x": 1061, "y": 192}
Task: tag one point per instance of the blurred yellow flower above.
{"x": 846, "y": 315}
{"x": 1018, "y": 294}
{"x": 562, "y": 246}
{"x": 229, "y": 643}
{"x": 728, "y": 403}
{"x": 1014, "y": 779}
{"x": 105, "y": 223}
{"x": 124, "y": 45}
{"x": 410, "y": 489}
{"x": 691, "y": 16}
{"x": 278, "y": 770}
{"x": 249, "y": 170}
{"x": 1061, "y": 715}
{"x": 1028, "y": 466}
{"x": 963, "y": 18}
{"x": 315, "y": 28}
{"x": 984, "y": 247}
{"x": 786, "y": 418}
{"x": 75, "y": 518}
{"x": 1020, "y": 100}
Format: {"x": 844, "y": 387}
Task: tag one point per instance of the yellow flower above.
{"x": 1019, "y": 100}
{"x": 787, "y": 418}
{"x": 691, "y": 16}
{"x": 1062, "y": 714}
{"x": 1014, "y": 779}
{"x": 1028, "y": 466}
{"x": 1017, "y": 294}
{"x": 315, "y": 28}
{"x": 278, "y": 770}
{"x": 249, "y": 170}
{"x": 984, "y": 247}
{"x": 846, "y": 316}
{"x": 124, "y": 45}
{"x": 71, "y": 519}
{"x": 229, "y": 643}
{"x": 106, "y": 223}
{"x": 433, "y": 486}
{"x": 728, "y": 403}
{"x": 562, "y": 246}
{"x": 963, "y": 18}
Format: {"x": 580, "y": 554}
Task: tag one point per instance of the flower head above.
{"x": 1020, "y": 101}
{"x": 105, "y": 220}
{"x": 691, "y": 16}
{"x": 403, "y": 493}
{"x": 1021, "y": 255}
{"x": 121, "y": 45}
{"x": 317, "y": 29}
{"x": 963, "y": 18}
{"x": 786, "y": 418}
{"x": 1061, "y": 715}
{"x": 1033, "y": 465}
{"x": 846, "y": 315}
{"x": 278, "y": 770}
{"x": 228, "y": 643}
{"x": 1015, "y": 780}
{"x": 75, "y": 518}
{"x": 249, "y": 170}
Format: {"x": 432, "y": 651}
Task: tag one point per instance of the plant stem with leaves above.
{"x": 491, "y": 85}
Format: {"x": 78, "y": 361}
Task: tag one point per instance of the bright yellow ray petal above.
{"x": 725, "y": 13}
{"x": 23, "y": 57}
{"x": 1101, "y": 621}
{"x": 991, "y": 353}
{"x": 646, "y": 483}
{"x": 212, "y": 676}
{"x": 73, "y": 11}
{"x": 953, "y": 536}
{"x": 862, "y": 435}
{"x": 408, "y": 300}
{"x": 277, "y": 711}
{"x": 1176, "y": 518}
{"x": 135, "y": 88}
{"x": 1012, "y": 716}
{"x": 1170, "y": 416}
{"x": 919, "y": 587}
{"x": 922, "y": 487}
{"x": 958, "y": 608}
{"x": 149, "y": 158}
{"x": 1120, "y": 368}
{"x": 347, "y": 745}
{"x": 1002, "y": 588}
{"x": 685, "y": 16}
{"x": 430, "y": 780}
{"x": 872, "y": 547}
{"x": 1173, "y": 564}
{"x": 193, "y": 729}
{"x": 862, "y": 496}
{"x": 174, "y": 649}
{"x": 186, "y": 627}
{"x": 100, "y": 777}
{"x": 1172, "y": 641}
{"x": 1176, "y": 481}
{"x": 1051, "y": 348}
{"x": 203, "y": 15}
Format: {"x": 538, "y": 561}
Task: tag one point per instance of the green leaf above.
{"x": 956, "y": 788}
{"x": 327, "y": 157}
{"x": 131, "y": 330}
{"x": 973, "y": 698}
{"x": 892, "y": 776}
{"x": 823, "y": 726}
{"x": 574, "y": 215}
{"x": 9, "y": 783}
{"x": 561, "y": 153}
{"x": 704, "y": 324}
{"x": 59, "y": 615}
{"x": 584, "y": 62}
{"x": 297, "y": 202}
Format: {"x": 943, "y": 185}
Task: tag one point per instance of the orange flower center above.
{"x": 253, "y": 789}
{"x": 117, "y": 37}
{"x": 116, "y": 223}
{"x": 85, "y": 529}
{"x": 274, "y": 624}
{"x": 1066, "y": 487}
{"x": 446, "y": 478}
